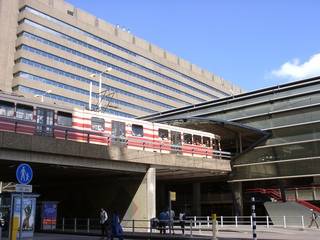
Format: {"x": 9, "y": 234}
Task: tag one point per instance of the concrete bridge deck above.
{"x": 48, "y": 150}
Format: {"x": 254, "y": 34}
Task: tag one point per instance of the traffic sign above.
{"x": 24, "y": 173}
{"x": 23, "y": 188}
{"x": 172, "y": 196}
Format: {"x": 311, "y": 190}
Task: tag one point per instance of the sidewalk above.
{"x": 241, "y": 232}
{"x": 227, "y": 233}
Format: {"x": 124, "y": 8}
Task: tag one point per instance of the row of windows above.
{"x": 92, "y": 59}
{"x": 73, "y": 40}
{"x": 80, "y": 90}
{"x": 70, "y": 100}
{"x": 118, "y": 130}
{"x": 82, "y": 79}
{"x": 25, "y": 112}
{"x": 91, "y": 70}
{"x": 186, "y": 138}
{"x": 119, "y": 48}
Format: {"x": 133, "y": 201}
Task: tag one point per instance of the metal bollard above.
{"x": 236, "y": 220}
{"x": 221, "y": 221}
{"x": 75, "y": 224}
{"x": 88, "y": 225}
{"x": 62, "y": 224}
{"x": 191, "y": 223}
{"x": 302, "y": 222}
{"x": 133, "y": 225}
{"x": 267, "y": 221}
{"x": 214, "y": 226}
{"x": 254, "y": 222}
{"x": 284, "y": 222}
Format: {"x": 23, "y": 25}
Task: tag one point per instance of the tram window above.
{"x": 196, "y": 139}
{"x": 64, "y": 119}
{"x": 6, "y": 109}
{"x": 137, "y": 130}
{"x": 206, "y": 141}
{"x": 164, "y": 134}
{"x": 175, "y": 138}
{"x": 214, "y": 144}
{"x": 187, "y": 138}
{"x": 97, "y": 124}
{"x": 24, "y": 112}
{"x": 118, "y": 129}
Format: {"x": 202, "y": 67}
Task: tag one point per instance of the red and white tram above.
{"x": 21, "y": 115}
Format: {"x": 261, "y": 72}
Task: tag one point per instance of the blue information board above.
{"x": 24, "y": 173}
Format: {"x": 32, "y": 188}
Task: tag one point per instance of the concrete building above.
{"x": 274, "y": 136}
{"x": 52, "y": 49}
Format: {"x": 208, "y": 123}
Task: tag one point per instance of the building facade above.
{"x": 281, "y": 152}
{"x": 50, "y": 48}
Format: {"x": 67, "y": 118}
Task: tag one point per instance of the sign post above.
{"x": 172, "y": 197}
{"x": 24, "y": 176}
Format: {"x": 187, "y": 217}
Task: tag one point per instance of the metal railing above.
{"x": 192, "y": 224}
{"x": 60, "y": 132}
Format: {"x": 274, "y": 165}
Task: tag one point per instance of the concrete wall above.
{"x": 8, "y": 19}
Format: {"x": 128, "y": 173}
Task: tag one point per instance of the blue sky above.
{"x": 252, "y": 43}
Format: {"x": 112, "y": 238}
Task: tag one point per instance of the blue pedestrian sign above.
{"x": 24, "y": 173}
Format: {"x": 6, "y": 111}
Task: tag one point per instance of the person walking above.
{"x": 103, "y": 221}
{"x": 182, "y": 221}
{"x": 314, "y": 217}
{"x": 117, "y": 230}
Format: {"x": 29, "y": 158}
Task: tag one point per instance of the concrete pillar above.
{"x": 237, "y": 198}
{"x": 143, "y": 204}
{"x": 9, "y": 20}
{"x": 196, "y": 197}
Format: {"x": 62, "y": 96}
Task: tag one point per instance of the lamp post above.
{"x": 100, "y": 87}
{"x": 42, "y": 95}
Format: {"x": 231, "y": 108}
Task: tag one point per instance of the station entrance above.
{"x": 77, "y": 192}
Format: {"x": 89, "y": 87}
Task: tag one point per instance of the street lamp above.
{"x": 42, "y": 95}
{"x": 100, "y": 87}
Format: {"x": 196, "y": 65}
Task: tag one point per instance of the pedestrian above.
{"x": 103, "y": 221}
{"x": 154, "y": 223}
{"x": 314, "y": 217}
{"x": 163, "y": 218}
{"x": 182, "y": 221}
{"x": 117, "y": 230}
{"x": 171, "y": 216}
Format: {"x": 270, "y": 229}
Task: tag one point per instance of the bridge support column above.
{"x": 143, "y": 204}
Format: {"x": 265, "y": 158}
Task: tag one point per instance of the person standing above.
{"x": 182, "y": 221}
{"x": 314, "y": 217}
{"x": 103, "y": 221}
{"x": 171, "y": 215}
{"x": 163, "y": 218}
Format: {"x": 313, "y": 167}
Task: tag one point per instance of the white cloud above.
{"x": 294, "y": 70}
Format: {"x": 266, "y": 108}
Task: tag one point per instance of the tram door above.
{"x": 175, "y": 142}
{"x": 44, "y": 122}
{"x": 118, "y": 132}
